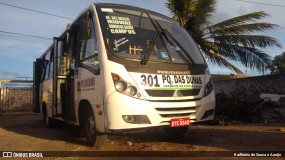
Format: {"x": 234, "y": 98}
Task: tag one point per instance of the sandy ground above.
{"x": 26, "y": 132}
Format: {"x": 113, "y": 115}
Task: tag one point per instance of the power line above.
{"x": 25, "y": 40}
{"x": 261, "y": 3}
{"x": 50, "y": 14}
{"x": 27, "y": 35}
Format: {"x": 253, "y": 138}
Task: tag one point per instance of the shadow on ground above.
{"x": 199, "y": 138}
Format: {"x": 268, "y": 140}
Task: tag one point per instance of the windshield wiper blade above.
{"x": 166, "y": 33}
{"x": 152, "y": 42}
{"x": 150, "y": 48}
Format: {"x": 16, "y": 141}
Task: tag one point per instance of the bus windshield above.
{"x": 142, "y": 35}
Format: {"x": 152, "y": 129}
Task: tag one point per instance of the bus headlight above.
{"x": 208, "y": 88}
{"x": 125, "y": 87}
{"x": 131, "y": 91}
{"x": 120, "y": 86}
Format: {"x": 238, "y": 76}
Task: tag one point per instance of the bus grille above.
{"x": 169, "y": 93}
{"x": 175, "y": 112}
{"x": 174, "y": 115}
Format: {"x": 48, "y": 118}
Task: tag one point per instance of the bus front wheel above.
{"x": 93, "y": 137}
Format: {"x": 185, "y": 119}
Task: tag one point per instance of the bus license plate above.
{"x": 179, "y": 122}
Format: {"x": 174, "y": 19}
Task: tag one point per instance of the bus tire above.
{"x": 176, "y": 132}
{"x": 93, "y": 137}
{"x": 49, "y": 122}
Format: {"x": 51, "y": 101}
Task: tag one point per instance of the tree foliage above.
{"x": 232, "y": 39}
{"x": 277, "y": 66}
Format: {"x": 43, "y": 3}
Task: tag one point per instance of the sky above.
{"x": 18, "y": 53}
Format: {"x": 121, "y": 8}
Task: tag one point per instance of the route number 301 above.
{"x": 151, "y": 81}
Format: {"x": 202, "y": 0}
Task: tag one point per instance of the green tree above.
{"x": 232, "y": 39}
{"x": 277, "y": 66}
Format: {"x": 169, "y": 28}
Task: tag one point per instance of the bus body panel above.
{"x": 89, "y": 87}
{"x": 46, "y": 97}
{"x": 94, "y": 93}
{"x": 103, "y": 61}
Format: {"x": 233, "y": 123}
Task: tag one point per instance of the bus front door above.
{"x": 63, "y": 81}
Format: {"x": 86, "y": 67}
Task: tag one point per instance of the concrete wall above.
{"x": 261, "y": 84}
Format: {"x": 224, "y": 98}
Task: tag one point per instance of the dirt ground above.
{"x": 26, "y": 132}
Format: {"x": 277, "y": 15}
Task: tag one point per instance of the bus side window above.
{"x": 89, "y": 50}
{"x": 51, "y": 64}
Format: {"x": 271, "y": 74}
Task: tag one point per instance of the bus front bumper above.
{"x": 127, "y": 113}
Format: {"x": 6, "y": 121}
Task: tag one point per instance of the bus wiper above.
{"x": 166, "y": 33}
{"x": 150, "y": 48}
{"x": 152, "y": 42}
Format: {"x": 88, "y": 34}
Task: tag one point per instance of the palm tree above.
{"x": 232, "y": 39}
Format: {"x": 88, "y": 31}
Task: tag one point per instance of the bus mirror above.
{"x": 68, "y": 27}
{"x": 88, "y": 26}
{"x": 82, "y": 28}
{"x": 85, "y": 27}
{"x": 85, "y": 30}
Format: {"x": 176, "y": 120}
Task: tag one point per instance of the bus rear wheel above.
{"x": 176, "y": 132}
{"x": 93, "y": 137}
